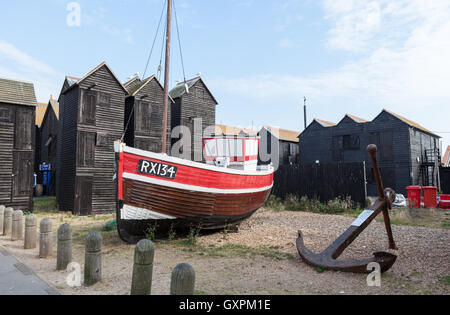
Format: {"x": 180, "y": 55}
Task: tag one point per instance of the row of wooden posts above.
{"x": 11, "y": 224}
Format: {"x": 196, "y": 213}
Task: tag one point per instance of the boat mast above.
{"x": 166, "y": 76}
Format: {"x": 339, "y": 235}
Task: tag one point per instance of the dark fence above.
{"x": 324, "y": 182}
{"x": 445, "y": 179}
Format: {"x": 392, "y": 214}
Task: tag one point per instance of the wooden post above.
{"x": 143, "y": 268}
{"x": 30, "y": 232}
{"x": 2, "y": 217}
{"x": 7, "y": 223}
{"x": 17, "y": 226}
{"x": 64, "y": 247}
{"x": 93, "y": 259}
{"x": 45, "y": 239}
{"x": 183, "y": 280}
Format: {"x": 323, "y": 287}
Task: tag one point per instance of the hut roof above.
{"x": 223, "y": 130}
{"x": 17, "y": 92}
{"x": 411, "y": 123}
{"x": 357, "y": 119}
{"x": 41, "y": 108}
{"x": 180, "y": 89}
{"x": 75, "y": 81}
{"x": 284, "y": 134}
{"x": 325, "y": 123}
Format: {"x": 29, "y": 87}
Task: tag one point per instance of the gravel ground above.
{"x": 422, "y": 266}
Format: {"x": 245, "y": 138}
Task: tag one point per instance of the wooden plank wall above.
{"x": 17, "y": 139}
{"x": 146, "y": 124}
{"x": 324, "y": 182}
{"x": 66, "y": 159}
{"x": 108, "y": 127}
{"x": 50, "y": 127}
{"x": 198, "y": 103}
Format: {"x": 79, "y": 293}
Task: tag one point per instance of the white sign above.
{"x": 363, "y": 217}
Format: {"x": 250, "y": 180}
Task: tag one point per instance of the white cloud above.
{"x": 399, "y": 60}
{"x": 18, "y": 65}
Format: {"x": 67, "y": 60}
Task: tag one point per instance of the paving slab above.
{"x": 18, "y": 279}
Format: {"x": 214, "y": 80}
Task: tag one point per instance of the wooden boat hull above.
{"x": 193, "y": 195}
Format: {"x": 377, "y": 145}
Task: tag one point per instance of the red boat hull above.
{"x": 170, "y": 193}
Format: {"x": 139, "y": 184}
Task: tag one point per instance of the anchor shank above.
{"x": 337, "y": 248}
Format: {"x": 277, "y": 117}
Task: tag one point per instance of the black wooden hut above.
{"x": 194, "y": 108}
{"x": 48, "y": 139}
{"x": 287, "y": 145}
{"x": 144, "y": 108}
{"x": 92, "y": 116}
{"x": 404, "y": 147}
{"x": 17, "y": 140}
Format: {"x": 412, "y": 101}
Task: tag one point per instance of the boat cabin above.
{"x": 238, "y": 152}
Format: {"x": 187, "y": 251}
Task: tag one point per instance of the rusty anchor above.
{"x": 328, "y": 259}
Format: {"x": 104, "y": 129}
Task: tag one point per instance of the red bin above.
{"x": 414, "y": 196}
{"x": 430, "y": 196}
{"x": 445, "y": 202}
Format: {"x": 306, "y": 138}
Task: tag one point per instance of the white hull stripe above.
{"x": 174, "y": 160}
{"x": 134, "y": 213}
{"x": 170, "y": 184}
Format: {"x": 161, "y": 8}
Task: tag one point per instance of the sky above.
{"x": 258, "y": 57}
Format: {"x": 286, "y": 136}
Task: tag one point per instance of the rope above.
{"x": 145, "y": 71}
{"x": 162, "y": 52}
{"x": 179, "y": 41}
{"x": 154, "y": 40}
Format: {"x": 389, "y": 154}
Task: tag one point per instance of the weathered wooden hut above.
{"x": 194, "y": 108}
{"x": 405, "y": 148}
{"x": 48, "y": 139}
{"x": 144, "y": 108}
{"x": 68, "y": 82}
{"x": 92, "y": 119}
{"x": 287, "y": 145}
{"x": 17, "y": 140}
{"x": 40, "y": 112}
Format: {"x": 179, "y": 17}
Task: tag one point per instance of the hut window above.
{"x": 105, "y": 99}
{"x": 86, "y": 149}
{"x": 102, "y": 140}
{"x": 387, "y": 146}
{"x": 88, "y": 107}
{"x": 351, "y": 142}
{"x": 143, "y": 117}
{"x": 5, "y": 114}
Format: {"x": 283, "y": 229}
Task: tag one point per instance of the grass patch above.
{"x": 304, "y": 204}
{"x": 430, "y": 218}
{"x": 233, "y": 250}
{"x": 45, "y": 205}
{"x": 445, "y": 280}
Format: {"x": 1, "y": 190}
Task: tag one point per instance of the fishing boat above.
{"x": 160, "y": 192}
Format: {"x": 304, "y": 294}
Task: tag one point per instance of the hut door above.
{"x": 83, "y": 196}
{"x": 22, "y": 174}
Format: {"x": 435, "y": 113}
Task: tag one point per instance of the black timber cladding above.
{"x": 144, "y": 108}
{"x": 196, "y": 107}
{"x": 17, "y": 140}
{"x": 398, "y": 147}
{"x": 92, "y": 117}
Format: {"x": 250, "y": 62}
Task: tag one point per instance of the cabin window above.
{"x": 5, "y": 114}
{"x": 143, "y": 117}
{"x": 23, "y": 129}
{"x": 88, "y": 107}
{"x": 351, "y": 142}
{"x": 386, "y": 146}
{"x": 86, "y": 149}
{"x": 102, "y": 140}
{"x": 104, "y": 99}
